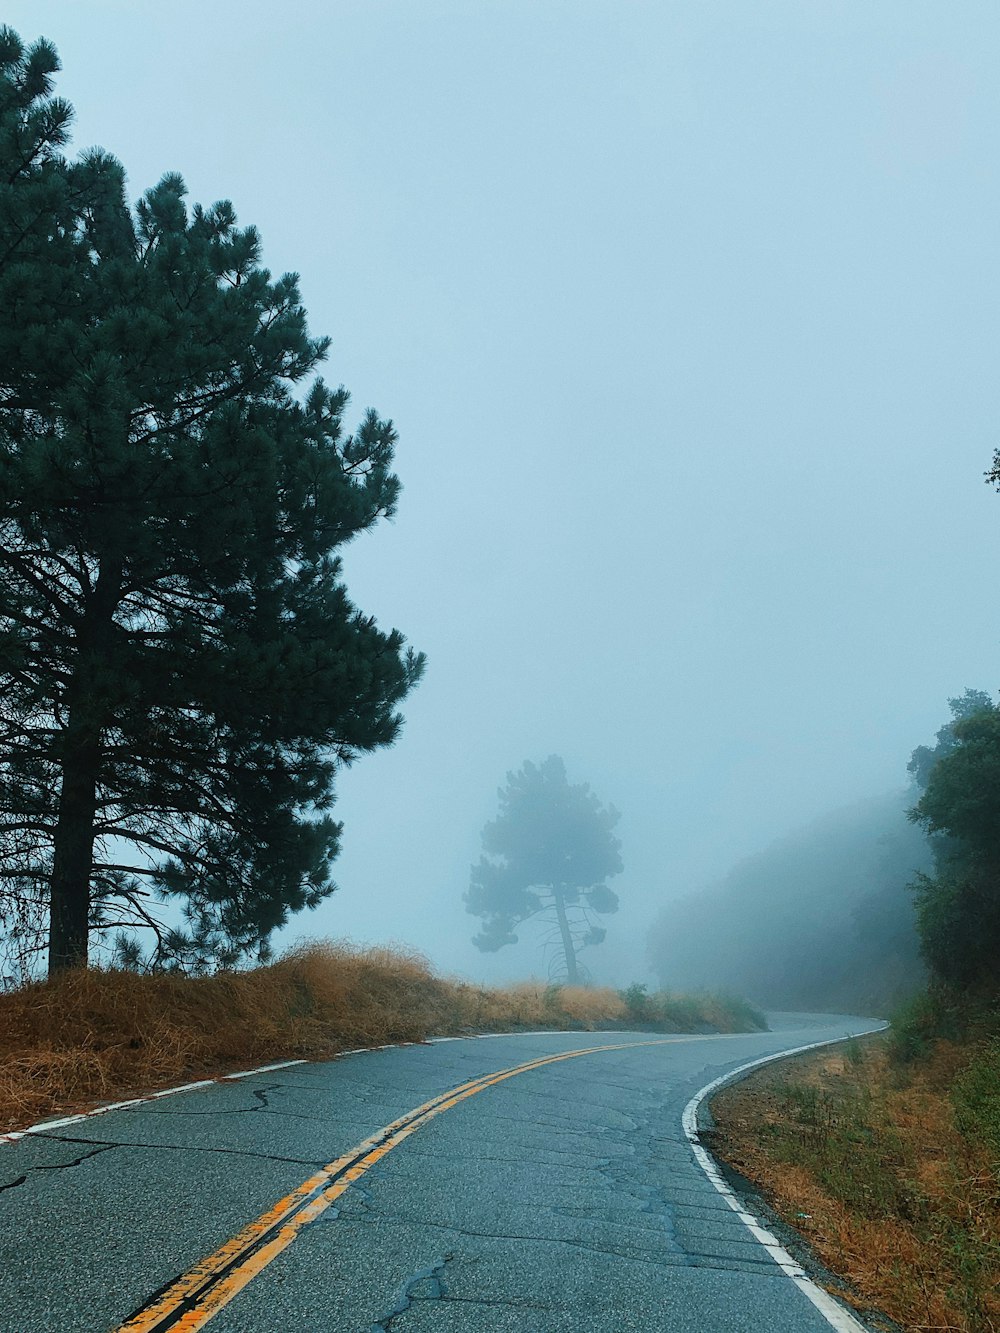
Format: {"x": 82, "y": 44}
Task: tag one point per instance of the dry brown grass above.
{"x": 590, "y": 1007}
{"x": 100, "y": 1035}
{"x": 867, "y": 1161}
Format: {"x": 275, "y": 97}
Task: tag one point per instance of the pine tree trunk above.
{"x": 73, "y": 841}
{"x": 73, "y": 854}
{"x": 572, "y": 972}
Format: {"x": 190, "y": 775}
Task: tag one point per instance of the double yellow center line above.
{"x": 191, "y": 1300}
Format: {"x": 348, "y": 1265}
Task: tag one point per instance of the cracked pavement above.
{"x": 566, "y": 1198}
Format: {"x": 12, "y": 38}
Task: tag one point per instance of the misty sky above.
{"x": 688, "y": 315}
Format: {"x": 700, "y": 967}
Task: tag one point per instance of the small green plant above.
{"x": 637, "y": 1003}
{"x": 854, "y": 1053}
{"x": 913, "y": 1027}
{"x": 804, "y": 1100}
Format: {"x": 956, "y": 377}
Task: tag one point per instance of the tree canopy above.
{"x": 182, "y": 671}
{"x": 958, "y": 907}
{"x": 547, "y": 854}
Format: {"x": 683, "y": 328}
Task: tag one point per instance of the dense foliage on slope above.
{"x": 821, "y": 920}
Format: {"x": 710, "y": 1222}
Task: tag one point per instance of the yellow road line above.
{"x": 190, "y": 1301}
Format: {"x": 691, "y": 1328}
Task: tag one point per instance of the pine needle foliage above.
{"x": 182, "y": 671}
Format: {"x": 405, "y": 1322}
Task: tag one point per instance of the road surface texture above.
{"x": 564, "y": 1197}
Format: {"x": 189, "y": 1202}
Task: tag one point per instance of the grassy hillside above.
{"x": 890, "y": 1167}
{"x": 100, "y": 1035}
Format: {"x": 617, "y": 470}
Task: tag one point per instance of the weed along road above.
{"x": 537, "y": 1182}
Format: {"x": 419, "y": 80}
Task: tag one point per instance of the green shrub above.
{"x": 976, "y": 1097}
{"x": 747, "y": 1015}
{"x": 704, "y": 1011}
{"x": 637, "y": 1002}
{"x": 913, "y": 1026}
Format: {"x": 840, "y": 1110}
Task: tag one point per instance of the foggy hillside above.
{"x": 819, "y": 920}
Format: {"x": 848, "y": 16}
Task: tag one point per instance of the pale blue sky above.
{"x": 689, "y": 318}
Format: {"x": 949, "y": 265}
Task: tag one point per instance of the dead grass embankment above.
{"x": 101, "y": 1035}
{"x": 890, "y": 1170}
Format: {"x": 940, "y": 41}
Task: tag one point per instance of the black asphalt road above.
{"x": 565, "y": 1198}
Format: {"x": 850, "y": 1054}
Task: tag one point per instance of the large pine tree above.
{"x": 181, "y": 669}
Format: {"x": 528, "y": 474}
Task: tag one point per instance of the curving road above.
{"x": 564, "y": 1196}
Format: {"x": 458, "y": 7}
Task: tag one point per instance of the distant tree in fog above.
{"x": 547, "y": 855}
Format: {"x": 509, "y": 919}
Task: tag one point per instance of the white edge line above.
{"x": 835, "y": 1314}
{"x": 181, "y": 1087}
{"x": 529, "y": 1032}
{"x": 44, "y": 1125}
{"x": 264, "y": 1069}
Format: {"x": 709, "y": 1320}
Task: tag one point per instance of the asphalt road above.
{"x": 565, "y": 1197}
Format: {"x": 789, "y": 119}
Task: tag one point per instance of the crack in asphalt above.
{"x": 508, "y": 1305}
{"x": 626, "y": 1173}
{"x": 680, "y": 1258}
{"x": 432, "y": 1275}
{"x": 238, "y": 1110}
{"x": 264, "y": 1107}
{"x": 428, "y": 1284}
{"x": 105, "y": 1145}
{"x": 260, "y": 1094}
{"x": 58, "y": 1166}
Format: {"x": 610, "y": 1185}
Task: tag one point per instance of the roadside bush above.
{"x": 637, "y": 1003}
{"x": 913, "y": 1027}
{"x": 665, "y": 1011}
{"x": 740, "y": 1013}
